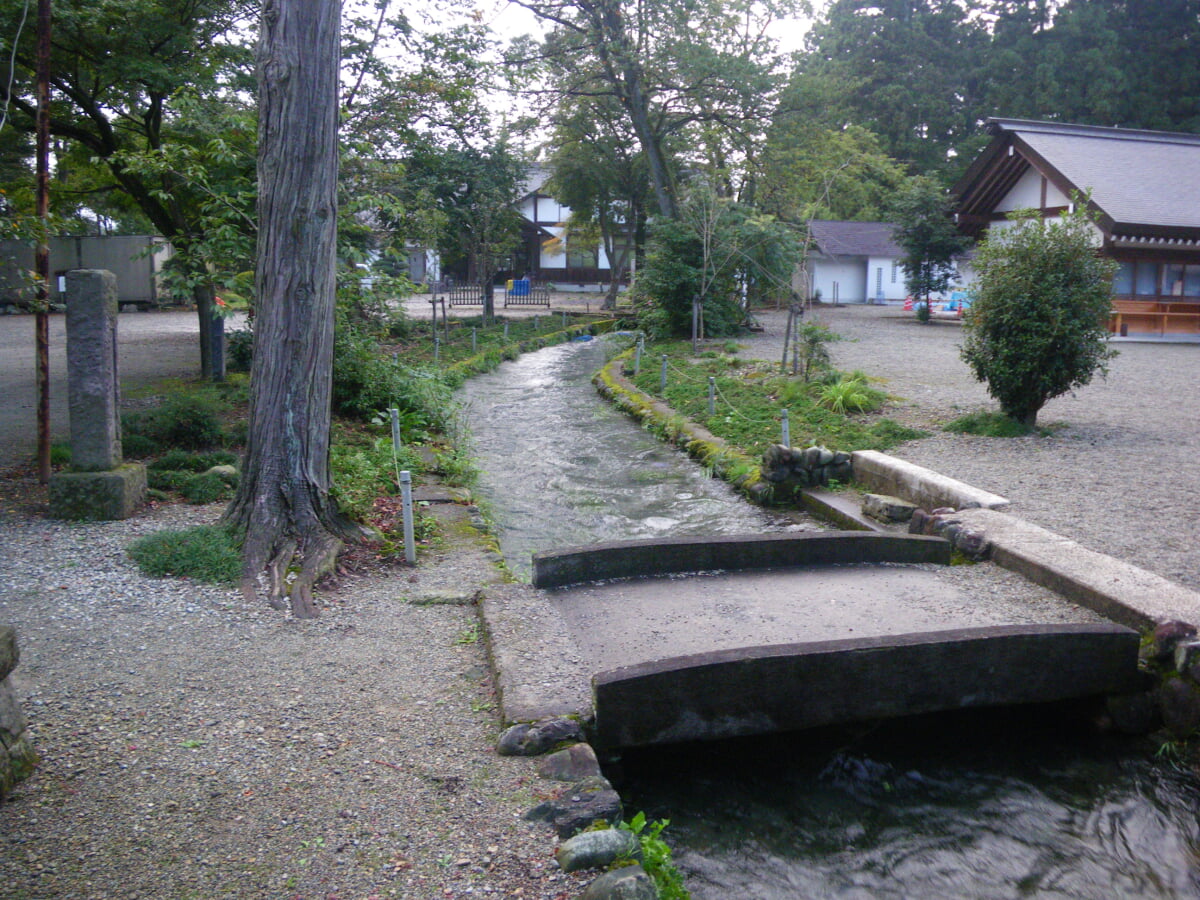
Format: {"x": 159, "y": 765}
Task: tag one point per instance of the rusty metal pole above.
{"x": 42, "y": 257}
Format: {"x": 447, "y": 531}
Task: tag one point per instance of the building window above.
{"x": 1191, "y": 282}
{"x": 1123, "y": 280}
{"x": 1145, "y": 279}
{"x": 895, "y": 266}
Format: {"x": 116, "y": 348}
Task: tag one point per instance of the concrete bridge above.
{"x": 783, "y": 632}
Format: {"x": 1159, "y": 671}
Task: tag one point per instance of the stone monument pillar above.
{"x": 99, "y": 486}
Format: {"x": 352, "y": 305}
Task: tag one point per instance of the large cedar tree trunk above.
{"x": 283, "y": 505}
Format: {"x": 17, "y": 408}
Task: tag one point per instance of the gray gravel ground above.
{"x": 196, "y": 746}
{"x": 1120, "y": 470}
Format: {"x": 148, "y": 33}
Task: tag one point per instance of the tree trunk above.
{"x": 283, "y": 505}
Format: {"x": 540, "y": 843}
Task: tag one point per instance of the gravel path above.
{"x": 195, "y": 746}
{"x": 1120, "y": 472}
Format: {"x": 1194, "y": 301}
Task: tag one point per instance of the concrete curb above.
{"x": 883, "y": 474}
{"x": 1117, "y": 590}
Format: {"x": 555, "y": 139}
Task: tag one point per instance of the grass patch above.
{"x": 207, "y": 553}
{"x": 838, "y": 411}
{"x": 991, "y": 424}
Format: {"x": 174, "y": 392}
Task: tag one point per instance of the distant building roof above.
{"x": 535, "y": 179}
{"x": 1142, "y": 183}
{"x": 854, "y": 238}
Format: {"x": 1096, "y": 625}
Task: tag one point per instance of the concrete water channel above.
{"x": 704, "y": 626}
{"x": 1009, "y": 807}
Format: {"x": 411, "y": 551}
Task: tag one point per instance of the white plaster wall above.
{"x": 1027, "y": 194}
{"x": 849, "y": 277}
{"x": 891, "y": 290}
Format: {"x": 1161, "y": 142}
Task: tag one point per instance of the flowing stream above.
{"x": 988, "y": 804}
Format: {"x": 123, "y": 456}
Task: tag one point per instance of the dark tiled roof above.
{"x": 1136, "y": 178}
{"x": 854, "y": 238}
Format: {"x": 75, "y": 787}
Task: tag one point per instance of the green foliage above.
{"x": 239, "y": 350}
{"x": 60, "y": 454}
{"x": 851, "y": 393}
{"x": 749, "y": 400}
{"x": 811, "y": 171}
{"x": 207, "y": 553}
{"x": 1038, "y": 325}
{"x": 187, "y": 461}
{"x": 989, "y": 424}
{"x": 715, "y": 246}
{"x": 656, "y": 857}
{"x": 207, "y": 487}
{"x": 926, "y": 233}
{"x": 814, "y": 355}
{"x": 189, "y": 421}
{"x": 366, "y": 382}
{"x": 363, "y": 469}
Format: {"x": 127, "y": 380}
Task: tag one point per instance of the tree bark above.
{"x": 283, "y": 505}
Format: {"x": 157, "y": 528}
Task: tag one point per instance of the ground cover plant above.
{"x": 837, "y": 410}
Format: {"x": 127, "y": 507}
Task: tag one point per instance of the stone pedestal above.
{"x": 17, "y": 758}
{"x": 100, "y": 486}
{"x": 104, "y": 496}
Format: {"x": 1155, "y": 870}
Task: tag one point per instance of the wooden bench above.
{"x": 1154, "y": 317}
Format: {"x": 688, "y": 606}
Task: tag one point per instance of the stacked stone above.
{"x": 943, "y": 523}
{"x": 17, "y": 758}
{"x": 587, "y": 800}
{"x": 808, "y": 467}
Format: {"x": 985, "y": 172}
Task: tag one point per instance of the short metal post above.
{"x": 787, "y": 429}
{"x": 437, "y": 346}
{"x": 712, "y": 395}
{"x": 662, "y": 379}
{"x": 535, "y": 324}
{"x": 564, "y": 317}
{"x": 506, "y": 331}
{"x": 637, "y": 358}
{"x": 395, "y": 414}
{"x": 410, "y": 544}
{"x": 395, "y": 359}
{"x": 474, "y": 342}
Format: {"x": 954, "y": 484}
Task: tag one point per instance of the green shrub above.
{"x": 1038, "y": 327}
{"x": 184, "y": 460}
{"x": 239, "y": 350}
{"x": 167, "y": 479}
{"x": 207, "y": 553}
{"x": 60, "y": 454}
{"x": 989, "y": 424}
{"x": 208, "y": 487}
{"x": 364, "y": 383}
{"x": 363, "y": 472}
{"x": 136, "y": 446}
{"x": 188, "y": 421}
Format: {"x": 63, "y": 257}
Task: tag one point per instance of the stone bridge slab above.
{"x": 758, "y": 690}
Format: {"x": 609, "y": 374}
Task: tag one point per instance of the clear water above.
{"x": 561, "y": 468}
{"x": 991, "y": 804}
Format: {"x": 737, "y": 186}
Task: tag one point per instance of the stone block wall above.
{"x": 17, "y": 757}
